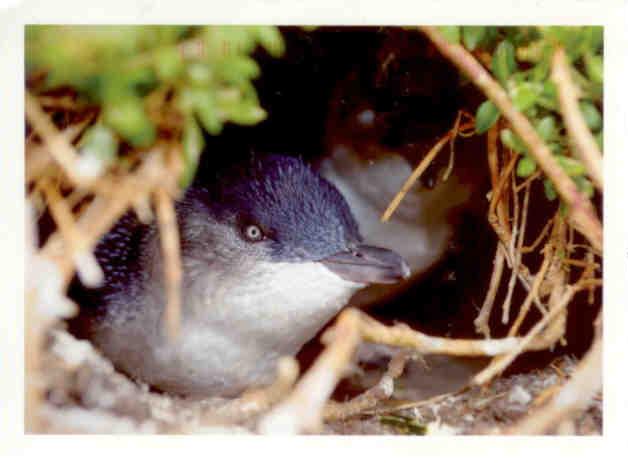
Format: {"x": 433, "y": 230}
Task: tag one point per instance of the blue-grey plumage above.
{"x": 270, "y": 253}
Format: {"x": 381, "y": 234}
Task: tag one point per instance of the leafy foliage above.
{"x": 207, "y": 70}
{"x": 520, "y": 59}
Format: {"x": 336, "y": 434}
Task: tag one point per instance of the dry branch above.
{"x": 368, "y": 399}
{"x": 103, "y": 212}
{"x": 585, "y": 146}
{"x": 256, "y": 401}
{"x": 58, "y": 145}
{"x": 171, "y": 249}
{"x": 481, "y": 321}
{"x": 423, "y": 165}
{"x": 304, "y": 409}
{"x": 87, "y": 267}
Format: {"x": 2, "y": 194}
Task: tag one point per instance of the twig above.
{"x": 425, "y": 162}
{"x": 481, "y": 321}
{"x": 502, "y": 363}
{"x": 368, "y": 399}
{"x": 256, "y": 401}
{"x": 537, "y": 241}
{"x": 499, "y": 220}
{"x": 403, "y": 336}
{"x": 582, "y": 213}
{"x": 170, "y": 246}
{"x": 452, "y": 141}
{"x": 102, "y": 213}
{"x": 533, "y": 293}
{"x": 515, "y": 257}
{"x": 58, "y": 145}
{"x": 528, "y": 181}
{"x": 520, "y": 231}
{"x": 585, "y": 146}
{"x": 39, "y": 159}
{"x": 87, "y": 267}
{"x": 416, "y": 403}
{"x": 303, "y": 409}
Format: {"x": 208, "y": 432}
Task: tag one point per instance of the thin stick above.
{"x": 533, "y": 293}
{"x": 87, "y": 267}
{"x": 500, "y": 364}
{"x": 527, "y": 181}
{"x": 514, "y": 256}
{"x": 403, "y": 336}
{"x": 416, "y": 403}
{"x": 303, "y": 409}
{"x": 585, "y": 146}
{"x": 452, "y": 142}
{"x": 537, "y": 241}
{"x": 170, "y": 246}
{"x": 368, "y": 399}
{"x": 58, "y": 145}
{"x": 582, "y": 213}
{"x": 425, "y": 162}
{"x": 481, "y": 321}
{"x": 38, "y": 157}
{"x": 521, "y": 231}
{"x": 256, "y": 401}
{"x": 102, "y": 213}
{"x": 499, "y": 220}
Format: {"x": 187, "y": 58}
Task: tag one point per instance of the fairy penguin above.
{"x": 270, "y": 253}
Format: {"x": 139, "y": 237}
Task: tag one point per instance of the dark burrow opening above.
{"x": 373, "y": 91}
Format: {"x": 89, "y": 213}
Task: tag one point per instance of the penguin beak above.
{"x": 368, "y": 264}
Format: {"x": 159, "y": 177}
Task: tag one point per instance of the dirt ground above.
{"x": 84, "y": 394}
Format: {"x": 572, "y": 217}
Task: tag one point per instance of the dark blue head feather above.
{"x": 303, "y": 216}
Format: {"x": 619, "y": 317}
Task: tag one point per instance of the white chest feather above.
{"x": 278, "y": 305}
{"x": 233, "y": 332}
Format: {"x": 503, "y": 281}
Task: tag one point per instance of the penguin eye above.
{"x": 253, "y": 233}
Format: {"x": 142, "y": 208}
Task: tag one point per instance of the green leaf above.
{"x": 571, "y": 166}
{"x": 472, "y": 36}
{"x": 486, "y": 115}
{"x": 546, "y": 128}
{"x": 526, "y": 166}
{"x": 403, "y": 424}
{"x": 271, "y": 40}
{"x": 236, "y": 69}
{"x": 591, "y": 115}
{"x": 525, "y": 95}
{"x": 99, "y": 141}
{"x": 199, "y": 74}
{"x": 504, "y": 64}
{"x": 595, "y": 68}
{"x": 585, "y": 186}
{"x": 168, "y": 63}
{"x": 599, "y": 139}
{"x": 127, "y": 117}
{"x": 207, "y": 111}
{"x": 510, "y": 140}
{"x": 247, "y": 114}
{"x": 193, "y": 144}
{"x": 550, "y": 191}
{"x": 451, "y": 33}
